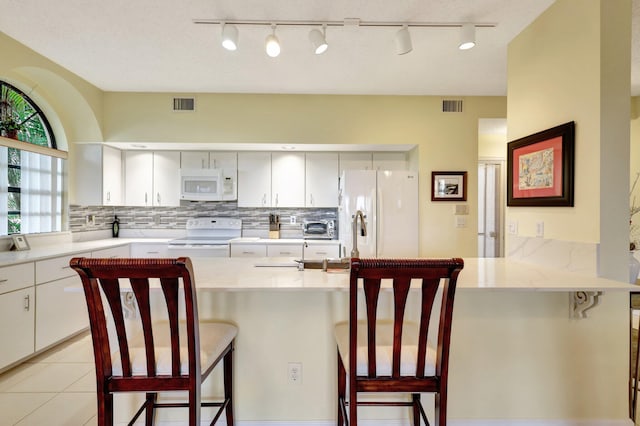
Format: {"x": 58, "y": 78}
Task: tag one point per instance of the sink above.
{"x": 325, "y": 264}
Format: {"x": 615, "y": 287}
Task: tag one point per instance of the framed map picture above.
{"x": 540, "y": 168}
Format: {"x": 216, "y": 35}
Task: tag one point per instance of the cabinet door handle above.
{"x": 321, "y": 252}
{"x": 108, "y": 195}
{"x": 285, "y": 252}
{"x": 311, "y": 199}
{"x": 27, "y": 302}
{"x": 202, "y": 163}
{"x": 145, "y": 198}
{"x": 158, "y": 198}
{"x": 264, "y": 200}
{"x": 247, "y": 252}
{"x": 276, "y": 200}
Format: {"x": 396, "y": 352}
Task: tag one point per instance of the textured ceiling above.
{"x": 153, "y": 45}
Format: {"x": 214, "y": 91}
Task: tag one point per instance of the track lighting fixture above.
{"x": 467, "y": 37}
{"x": 403, "y": 41}
{"x": 272, "y": 44}
{"x": 318, "y": 40}
{"x": 229, "y": 36}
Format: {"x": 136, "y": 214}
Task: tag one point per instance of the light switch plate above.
{"x": 540, "y": 229}
{"x": 513, "y": 227}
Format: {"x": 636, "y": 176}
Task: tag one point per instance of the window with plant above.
{"x": 30, "y": 182}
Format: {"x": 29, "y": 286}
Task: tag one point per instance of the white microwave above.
{"x": 208, "y": 184}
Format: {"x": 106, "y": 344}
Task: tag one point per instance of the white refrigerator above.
{"x": 389, "y": 201}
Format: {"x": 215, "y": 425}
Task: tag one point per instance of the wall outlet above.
{"x": 294, "y": 373}
{"x": 461, "y": 221}
{"x": 292, "y": 220}
{"x": 91, "y": 220}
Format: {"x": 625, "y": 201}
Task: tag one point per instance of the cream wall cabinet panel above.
{"x": 248, "y": 250}
{"x": 321, "y": 251}
{"x": 138, "y": 174}
{"x": 59, "y": 313}
{"x": 321, "y": 179}
{"x": 17, "y": 322}
{"x": 166, "y": 178}
{"x": 284, "y": 250}
{"x": 390, "y": 161}
{"x": 98, "y": 178}
{"x": 56, "y": 268}
{"x": 208, "y": 160}
{"x": 287, "y": 179}
{"x": 355, "y": 161}
{"x": 254, "y": 179}
{"x": 149, "y": 250}
{"x": 16, "y": 277}
{"x": 111, "y": 252}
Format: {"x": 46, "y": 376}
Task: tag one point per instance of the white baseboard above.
{"x": 451, "y": 422}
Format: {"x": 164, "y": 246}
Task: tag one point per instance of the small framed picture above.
{"x": 448, "y": 186}
{"x": 20, "y": 243}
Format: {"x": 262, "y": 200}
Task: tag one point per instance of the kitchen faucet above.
{"x": 354, "y": 232}
{"x": 301, "y": 263}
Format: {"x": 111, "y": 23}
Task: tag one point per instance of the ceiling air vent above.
{"x": 452, "y": 105}
{"x": 184, "y": 104}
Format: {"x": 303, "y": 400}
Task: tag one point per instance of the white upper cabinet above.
{"x": 287, "y": 179}
{"x": 355, "y": 161}
{"x": 390, "y": 161}
{"x": 98, "y": 178}
{"x": 321, "y": 179}
{"x": 138, "y": 175}
{"x": 254, "y": 179}
{"x": 166, "y": 178}
{"x": 152, "y": 178}
{"x": 194, "y": 160}
{"x": 208, "y": 160}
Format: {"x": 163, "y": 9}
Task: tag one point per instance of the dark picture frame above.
{"x": 448, "y": 186}
{"x": 540, "y": 168}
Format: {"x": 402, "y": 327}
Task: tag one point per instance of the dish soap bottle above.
{"x": 115, "y": 227}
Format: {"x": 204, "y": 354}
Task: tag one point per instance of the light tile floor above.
{"x": 56, "y": 388}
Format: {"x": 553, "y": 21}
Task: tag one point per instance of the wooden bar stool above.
{"x": 168, "y": 354}
{"x": 394, "y": 356}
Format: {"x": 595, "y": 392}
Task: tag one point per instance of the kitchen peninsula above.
{"x": 517, "y": 350}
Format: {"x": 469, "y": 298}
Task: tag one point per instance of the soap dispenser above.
{"x": 115, "y": 227}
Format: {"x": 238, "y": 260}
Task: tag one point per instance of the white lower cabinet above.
{"x": 16, "y": 325}
{"x": 151, "y": 250}
{"x": 284, "y": 250}
{"x": 322, "y": 251}
{"x": 111, "y": 252}
{"x": 59, "y": 313}
{"x": 248, "y": 250}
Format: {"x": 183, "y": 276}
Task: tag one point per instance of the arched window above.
{"x": 31, "y": 184}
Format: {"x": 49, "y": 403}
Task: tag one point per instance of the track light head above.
{"x": 272, "y": 44}
{"x": 229, "y": 37}
{"x": 403, "y": 41}
{"x": 467, "y": 37}
{"x": 318, "y": 40}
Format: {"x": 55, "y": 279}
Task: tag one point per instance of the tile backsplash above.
{"x": 255, "y": 221}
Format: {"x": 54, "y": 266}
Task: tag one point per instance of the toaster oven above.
{"x": 319, "y": 229}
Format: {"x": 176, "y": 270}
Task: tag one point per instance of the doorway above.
{"x": 490, "y": 235}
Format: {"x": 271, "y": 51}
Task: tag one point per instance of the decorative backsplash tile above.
{"x": 254, "y": 220}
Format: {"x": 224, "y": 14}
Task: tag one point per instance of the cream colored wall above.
{"x": 445, "y": 141}
{"x": 492, "y": 145}
{"x": 635, "y": 166}
{"x": 72, "y": 106}
{"x": 566, "y": 67}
